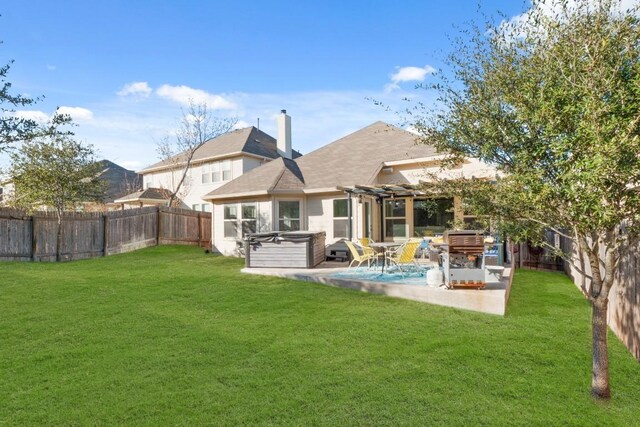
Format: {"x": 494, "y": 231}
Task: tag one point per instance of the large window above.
{"x": 289, "y": 216}
{"x": 340, "y": 218}
{"x": 240, "y": 219}
{"x": 395, "y": 213}
{"x": 431, "y": 216}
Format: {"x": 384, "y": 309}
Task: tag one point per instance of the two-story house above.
{"x": 221, "y": 160}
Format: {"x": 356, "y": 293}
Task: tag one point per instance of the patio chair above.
{"x": 404, "y": 257}
{"x": 365, "y": 243}
{"x": 367, "y": 255}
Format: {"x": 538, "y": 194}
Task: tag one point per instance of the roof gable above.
{"x": 352, "y": 160}
{"x": 248, "y": 140}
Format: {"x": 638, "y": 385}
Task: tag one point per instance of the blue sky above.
{"x": 124, "y": 69}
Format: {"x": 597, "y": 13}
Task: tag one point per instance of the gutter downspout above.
{"x": 350, "y": 215}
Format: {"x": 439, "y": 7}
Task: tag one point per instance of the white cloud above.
{"x": 135, "y": 88}
{"x": 185, "y": 94}
{"x": 408, "y": 74}
{"x": 411, "y": 74}
{"x": 241, "y": 124}
{"x": 37, "y": 116}
{"x": 513, "y": 27}
{"x": 77, "y": 113}
{"x": 51, "y": 67}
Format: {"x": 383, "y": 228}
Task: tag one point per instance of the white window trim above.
{"x": 239, "y": 219}
{"x": 300, "y": 211}
{"x": 340, "y": 218}
{"x": 406, "y": 221}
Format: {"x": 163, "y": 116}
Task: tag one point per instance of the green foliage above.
{"x": 57, "y": 172}
{"x": 171, "y": 336}
{"x": 12, "y": 128}
{"x": 15, "y": 128}
{"x": 553, "y": 101}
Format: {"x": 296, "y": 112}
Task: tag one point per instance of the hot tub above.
{"x": 285, "y": 249}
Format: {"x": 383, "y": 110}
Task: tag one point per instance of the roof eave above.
{"x": 235, "y": 195}
{"x": 205, "y": 159}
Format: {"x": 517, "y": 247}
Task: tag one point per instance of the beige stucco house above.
{"x": 316, "y": 192}
{"x": 220, "y": 161}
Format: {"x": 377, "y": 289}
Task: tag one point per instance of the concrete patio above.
{"x": 492, "y": 299}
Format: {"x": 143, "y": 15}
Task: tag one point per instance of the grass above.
{"x": 169, "y": 335}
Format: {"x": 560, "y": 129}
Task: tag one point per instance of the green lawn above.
{"x": 171, "y": 336}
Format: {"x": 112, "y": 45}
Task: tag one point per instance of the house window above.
{"x": 289, "y": 216}
{"x": 206, "y": 174}
{"x": 249, "y": 218}
{"x": 206, "y": 207}
{"x": 340, "y": 218}
{"x": 243, "y": 220}
{"x": 225, "y": 166}
{"x": 195, "y": 206}
{"x": 231, "y": 220}
{"x": 395, "y": 218}
{"x": 431, "y": 216}
{"x": 215, "y": 172}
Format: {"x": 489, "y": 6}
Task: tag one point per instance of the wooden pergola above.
{"x": 379, "y": 193}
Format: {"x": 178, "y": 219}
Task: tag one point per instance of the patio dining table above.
{"x": 382, "y": 247}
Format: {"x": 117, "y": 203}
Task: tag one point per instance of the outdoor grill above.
{"x": 463, "y": 259}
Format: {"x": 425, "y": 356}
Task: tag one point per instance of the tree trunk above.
{"x": 600, "y": 374}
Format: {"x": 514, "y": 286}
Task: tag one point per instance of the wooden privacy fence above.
{"x": 26, "y": 237}
{"x": 624, "y": 297}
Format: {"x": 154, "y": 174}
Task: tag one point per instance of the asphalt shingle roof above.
{"x": 352, "y": 160}
{"x": 147, "y": 194}
{"x": 247, "y": 140}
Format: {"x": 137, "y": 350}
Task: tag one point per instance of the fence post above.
{"x": 199, "y": 230}
{"x": 104, "y": 234}
{"x": 33, "y": 238}
{"x": 159, "y": 225}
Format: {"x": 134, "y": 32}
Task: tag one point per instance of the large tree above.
{"x": 552, "y": 99}
{"x": 55, "y": 172}
{"x": 197, "y": 126}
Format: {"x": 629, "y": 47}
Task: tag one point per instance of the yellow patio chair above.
{"x": 365, "y": 243}
{"x": 405, "y": 256}
{"x": 367, "y": 255}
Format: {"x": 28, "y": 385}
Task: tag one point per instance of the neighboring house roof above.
{"x": 247, "y": 140}
{"x": 119, "y": 181}
{"x": 152, "y": 195}
{"x": 355, "y": 159}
